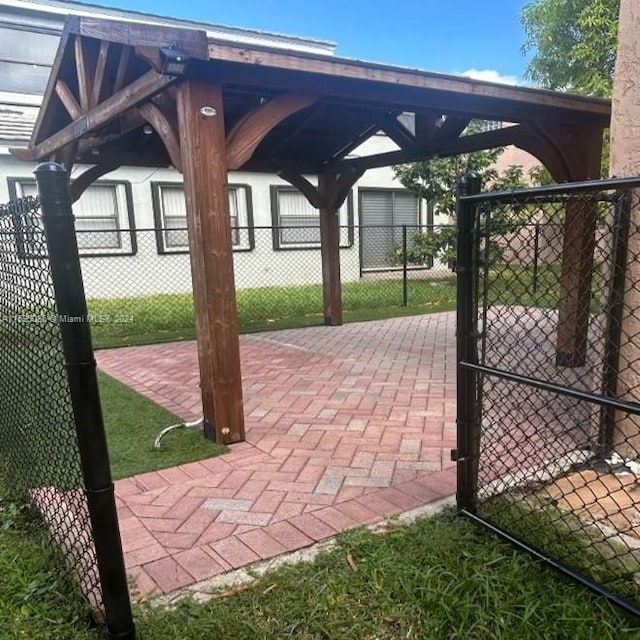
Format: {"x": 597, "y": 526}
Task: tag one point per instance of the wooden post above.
{"x": 330, "y": 253}
{"x": 625, "y": 161}
{"x": 575, "y": 283}
{"x": 204, "y": 164}
{"x": 584, "y": 158}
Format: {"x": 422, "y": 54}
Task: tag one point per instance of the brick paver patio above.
{"x": 345, "y": 426}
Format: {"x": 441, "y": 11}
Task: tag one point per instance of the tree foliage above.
{"x": 435, "y": 181}
{"x": 573, "y": 44}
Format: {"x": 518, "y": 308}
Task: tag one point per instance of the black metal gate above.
{"x": 549, "y": 375}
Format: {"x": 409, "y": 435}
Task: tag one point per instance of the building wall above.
{"x": 150, "y": 272}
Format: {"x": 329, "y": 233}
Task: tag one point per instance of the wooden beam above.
{"x": 451, "y": 128}
{"x": 45, "y": 113}
{"x": 80, "y": 184}
{"x": 359, "y": 138}
{"x": 397, "y": 132}
{"x": 426, "y": 124}
{"x": 191, "y": 42}
{"x": 440, "y": 148}
{"x": 68, "y": 100}
{"x": 204, "y": 165}
{"x": 98, "y": 80}
{"x": 165, "y": 129}
{"x": 407, "y": 89}
{"x": 249, "y": 132}
{"x": 138, "y": 91}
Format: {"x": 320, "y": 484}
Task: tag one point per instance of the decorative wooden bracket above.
{"x": 334, "y": 191}
{"x": 86, "y": 179}
{"x": 251, "y": 129}
{"x": 328, "y": 196}
{"x": 166, "y": 127}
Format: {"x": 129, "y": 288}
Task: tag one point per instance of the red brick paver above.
{"x": 345, "y": 426}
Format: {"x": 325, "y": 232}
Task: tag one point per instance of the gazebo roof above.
{"x": 111, "y": 79}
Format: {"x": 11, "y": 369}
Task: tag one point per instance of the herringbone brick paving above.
{"x": 345, "y": 426}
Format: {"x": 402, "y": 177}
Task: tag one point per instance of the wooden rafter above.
{"x": 68, "y": 100}
{"x": 426, "y": 125}
{"x": 123, "y": 66}
{"x": 138, "y": 91}
{"x": 451, "y": 128}
{"x": 84, "y": 72}
{"x": 98, "y": 80}
{"x": 397, "y": 132}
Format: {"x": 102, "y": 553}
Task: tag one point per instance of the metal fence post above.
{"x": 468, "y": 420}
{"x": 536, "y": 249}
{"x": 615, "y": 310}
{"x": 58, "y": 222}
{"x": 405, "y": 292}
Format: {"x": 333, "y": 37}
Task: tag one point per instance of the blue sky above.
{"x": 438, "y": 35}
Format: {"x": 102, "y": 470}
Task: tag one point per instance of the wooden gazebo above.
{"x": 214, "y": 107}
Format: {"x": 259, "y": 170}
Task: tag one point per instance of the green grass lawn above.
{"x": 132, "y": 423}
{"x": 438, "y": 578}
{"x": 35, "y": 414}
{"x": 166, "y": 317}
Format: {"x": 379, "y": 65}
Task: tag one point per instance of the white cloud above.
{"x": 490, "y": 75}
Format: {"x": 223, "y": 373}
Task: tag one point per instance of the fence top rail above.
{"x": 563, "y": 189}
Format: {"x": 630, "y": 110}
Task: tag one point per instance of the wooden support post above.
{"x": 330, "y": 253}
{"x": 570, "y": 153}
{"x": 575, "y": 283}
{"x": 332, "y": 191}
{"x": 204, "y": 163}
{"x": 582, "y": 150}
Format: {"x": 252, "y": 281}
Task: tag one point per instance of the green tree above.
{"x": 435, "y": 181}
{"x": 573, "y": 43}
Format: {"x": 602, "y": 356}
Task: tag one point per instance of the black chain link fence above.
{"x": 42, "y": 462}
{"x": 138, "y": 281}
{"x": 549, "y": 350}
{"x": 38, "y": 446}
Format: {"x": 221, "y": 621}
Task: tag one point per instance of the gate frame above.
{"x": 470, "y": 371}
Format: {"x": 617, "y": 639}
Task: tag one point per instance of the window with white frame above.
{"x": 103, "y": 216}
{"x": 171, "y": 217}
{"x": 296, "y": 223}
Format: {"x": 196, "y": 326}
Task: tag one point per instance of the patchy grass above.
{"x": 565, "y": 537}
{"x": 442, "y": 577}
{"x": 37, "y": 600}
{"x": 439, "y": 578}
{"x": 132, "y": 423}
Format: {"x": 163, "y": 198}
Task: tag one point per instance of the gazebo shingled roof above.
{"x": 215, "y": 107}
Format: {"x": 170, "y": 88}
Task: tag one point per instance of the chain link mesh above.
{"x": 559, "y": 305}
{"x": 39, "y": 456}
{"x": 138, "y": 282}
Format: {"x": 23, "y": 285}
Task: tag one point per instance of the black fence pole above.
{"x": 468, "y": 414}
{"x": 536, "y": 249}
{"x": 58, "y": 222}
{"x": 614, "y": 311}
{"x": 405, "y": 291}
